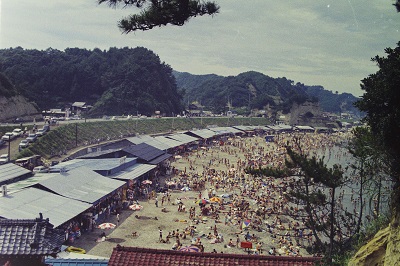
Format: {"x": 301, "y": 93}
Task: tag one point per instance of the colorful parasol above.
{"x": 135, "y": 207}
{"x": 216, "y": 200}
{"x": 190, "y": 249}
{"x": 245, "y": 223}
{"x": 202, "y": 201}
{"x": 106, "y": 226}
{"x": 147, "y": 182}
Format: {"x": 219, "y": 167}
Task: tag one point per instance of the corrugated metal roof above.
{"x": 144, "y": 151}
{"x": 28, "y": 203}
{"x": 159, "y": 145}
{"x": 170, "y": 142}
{"x": 98, "y": 153}
{"x": 134, "y": 172}
{"x": 82, "y": 184}
{"x": 10, "y": 171}
{"x": 139, "y": 139}
{"x": 182, "y": 138}
{"x": 304, "y": 128}
{"x": 226, "y": 130}
{"x": 38, "y": 177}
{"x": 161, "y": 158}
{"x": 93, "y": 164}
{"x": 76, "y": 262}
{"x": 244, "y": 128}
{"x": 203, "y": 133}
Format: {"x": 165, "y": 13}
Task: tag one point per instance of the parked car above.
{"x": 41, "y": 132}
{"x": 23, "y": 144}
{"x": 17, "y": 132}
{"x": 46, "y": 128}
{"x": 3, "y": 158}
{"x": 40, "y": 169}
{"x": 8, "y": 136}
{"x": 2, "y": 142}
{"x": 31, "y": 137}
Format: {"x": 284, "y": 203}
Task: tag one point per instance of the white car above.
{"x": 41, "y": 132}
{"x": 8, "y": 136}
{"x": 40, "y": 169}
{"x": 3, "y": 158}
{"x": 31, "y": 138}
{"x": 17, "y": 132}
{"x": 23, "y": 144}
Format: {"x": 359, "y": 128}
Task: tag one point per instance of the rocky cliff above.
{"x": 17, "y": 107}
{"x": 382, "y": 250}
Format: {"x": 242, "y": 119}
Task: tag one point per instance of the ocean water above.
{"x": 350, "y": 192}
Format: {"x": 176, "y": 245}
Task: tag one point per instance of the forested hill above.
{"x": 115, "y": 82}
{"x": 257, "y": 90}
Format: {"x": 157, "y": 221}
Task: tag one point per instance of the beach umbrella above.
{"x": 202, "y": 201}
{"x": 245, "y": 223}
{"x": 147, "y": 182}
{"x": 225, "y": 196}
{"x": 215, "y": 200}
{"x": 190, "y": 249}
{"x": 170, "y": 183}
{"x": 106, "y": 226}
{"x": 178, "y": 157}
{"x": 135, "y": 207}
{"x": 185, "y": 188}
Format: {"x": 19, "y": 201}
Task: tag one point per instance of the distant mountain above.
{"x": 256, "y": 90}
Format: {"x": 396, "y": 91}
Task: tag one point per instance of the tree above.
{"x": 315, "y": 190}
{"x": 161, "y": 12}
{"x": 369, "y": 168}
{"x": 397, "y": 5}
{"x": 381, "y": 103}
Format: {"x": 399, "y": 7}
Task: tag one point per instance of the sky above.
{"x": 316, "y": 42}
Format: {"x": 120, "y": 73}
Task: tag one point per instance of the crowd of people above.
{"x": 254, "y": 207}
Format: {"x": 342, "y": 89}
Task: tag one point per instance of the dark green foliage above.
{"x": 381, "y": 102}
{"x": 6, "y": 88}
{"x": 397, "y": 5}
{"x": 268, "y": 171}
{"x": 160, "y": 13}
{"x": 115, "y": 82}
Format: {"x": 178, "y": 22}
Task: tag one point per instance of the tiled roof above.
{"x": 29, "y": 237}
{"x": 123, "y": 256}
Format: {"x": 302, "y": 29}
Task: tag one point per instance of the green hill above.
{"x": 256, "y": 90}
{"x": 115, "y": 82}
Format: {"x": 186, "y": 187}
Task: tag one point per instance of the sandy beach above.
{"x": 220, "y": 169}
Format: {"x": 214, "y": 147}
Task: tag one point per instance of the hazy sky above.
{"x": 316, "y": 42}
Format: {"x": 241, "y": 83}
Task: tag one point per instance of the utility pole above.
{"x": 137, "y": 112}
{"x": 76, "y": 134}
{"x": 9, "y": 149}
